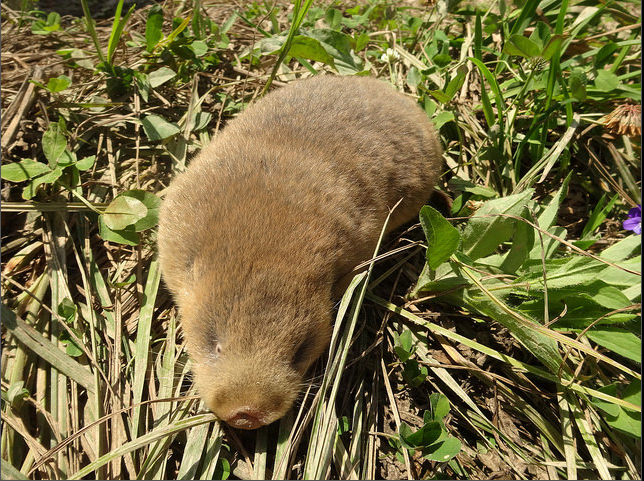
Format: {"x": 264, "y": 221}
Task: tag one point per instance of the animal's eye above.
{"x": 218, "y": 349}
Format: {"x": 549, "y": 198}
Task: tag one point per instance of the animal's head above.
{"x": 251, "y": 346}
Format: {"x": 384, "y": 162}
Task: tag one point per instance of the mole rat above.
{"x": 259, "y": 236}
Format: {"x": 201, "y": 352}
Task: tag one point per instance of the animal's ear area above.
{"x": 309, "y": 349}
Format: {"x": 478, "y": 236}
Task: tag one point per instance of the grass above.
{"x": 503, "y": 341}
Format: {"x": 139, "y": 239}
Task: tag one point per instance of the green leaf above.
{"x": 403, "y": 345}
{"x": 619, "y": 418}
{"x": 17, "y": 392}
{"x": 441, "y": 96}
{"x": 54, "y": 142}
{"x": 338, "y": 45}
{"x": 577, "y": 84}
{"x": 58, "y": 84}
{"x": 157, "y": 128}
{"x": 413, "y": 373}
{"x": 143, "y": 83}
{"x": 523, "y": 241}
{"x": 425, "y": 436}
{"x": 553, "y": 45}
{"x": 48, "y": 178}
{"x": 443, "y": 451}
{"x": 606, "y": 81}
{"x": 23, "y": 170}
{"x": 333, "y": 17}
{"x": 439, "y": 406}
{"x": 311, "y": 49}
{"x": 442, "y": 118}
{"x": 442, "y": 237}
{"x": 361, "y": 41}
{"x": 414, "y": 77}
{"x": 521, "y": 46}
{"x": 486, "y": 230}
{"x": 126, "y": 236}
{"x": 151, "y": 202}
{"x": 67, "y": 310}
{"x": 72, "y": 348}
{"x": 161, "y": 76}
{"x": 124, "y": 211}
{"x": 457, "y": 82}
{"x": 85, "y": 163}
{"x": 618, "y": 340}
{"x": 153, "y": 27}
{"x": 199, "y": 48}
{"x": 442, "y": 59}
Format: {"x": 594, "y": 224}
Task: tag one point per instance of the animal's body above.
{"x": 258, "y": 236}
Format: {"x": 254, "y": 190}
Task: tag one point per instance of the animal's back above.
{"x": 333, "y": 154}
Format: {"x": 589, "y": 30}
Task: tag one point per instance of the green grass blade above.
{"x": 143, "y": 341}
{"x": 47, "y": 350}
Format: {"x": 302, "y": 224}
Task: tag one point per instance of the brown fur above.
{"x": 256, "y": 236}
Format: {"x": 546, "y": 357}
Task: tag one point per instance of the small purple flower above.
{"x": 634, "y": 221}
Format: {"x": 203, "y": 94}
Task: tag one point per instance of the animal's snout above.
{"x": 246, "y": 418}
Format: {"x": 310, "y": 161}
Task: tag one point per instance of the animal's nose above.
{"x": 245, "y": 419}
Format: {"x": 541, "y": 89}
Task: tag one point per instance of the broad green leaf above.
{"x": 124, "y": 211}
{"x": 443, "y": 118}
{"x": 361, "y": 41}
{"x": 199, "y": 48}
{"x": 553, "y": 45}
{"x": 439, "y": 405}
{"x": 333, "y": 17}
{"x": 414, "y": 77}
{"x": 338, "y": 45}
{"x": 200, "y": 120}
{"x": 577, "y": 84}
{"x": 153, "y": 27}
{"x": 561, "y": 273}
{"x": 58, "y": 84}
{"x": 618, "y": 340}
{"x": 521, "y": 46}
{"x": 160, "y": 76}
{"x": 442, "y": 59}
{"x": 157, "y": 128}
{"x": 456, "y": 83}
{"x": 548, "y": 217}
{"x": 606, "y": 81}
{"x": 425, "y": 436}
{"x": 85, "y": 163}
{"x": 126, "y": 236}
{"x": 441, "y": 96}
{"x": 605, "y": 54}
{"x": 310, "y": 49}
{"x": 619, "y": 418}
{"x": 486, "y": 230}
{"x": 48, "y": 178}
{"x": 414, "y": 374}
{"x": 54, "y": 142}
{"x": 142, "y": 81}
{"x": 151, "y": 202}
{"x": 443, "y": 450}
{"x": 16, "y": 392}
{"x": 442, "y": 237}
{"x": 23, "y": 170}
{"x": 522, "y": 244}
{"x": 403, "y": 346}
{"x": 541, "y": 346}
{"x": 623, "y": 249}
